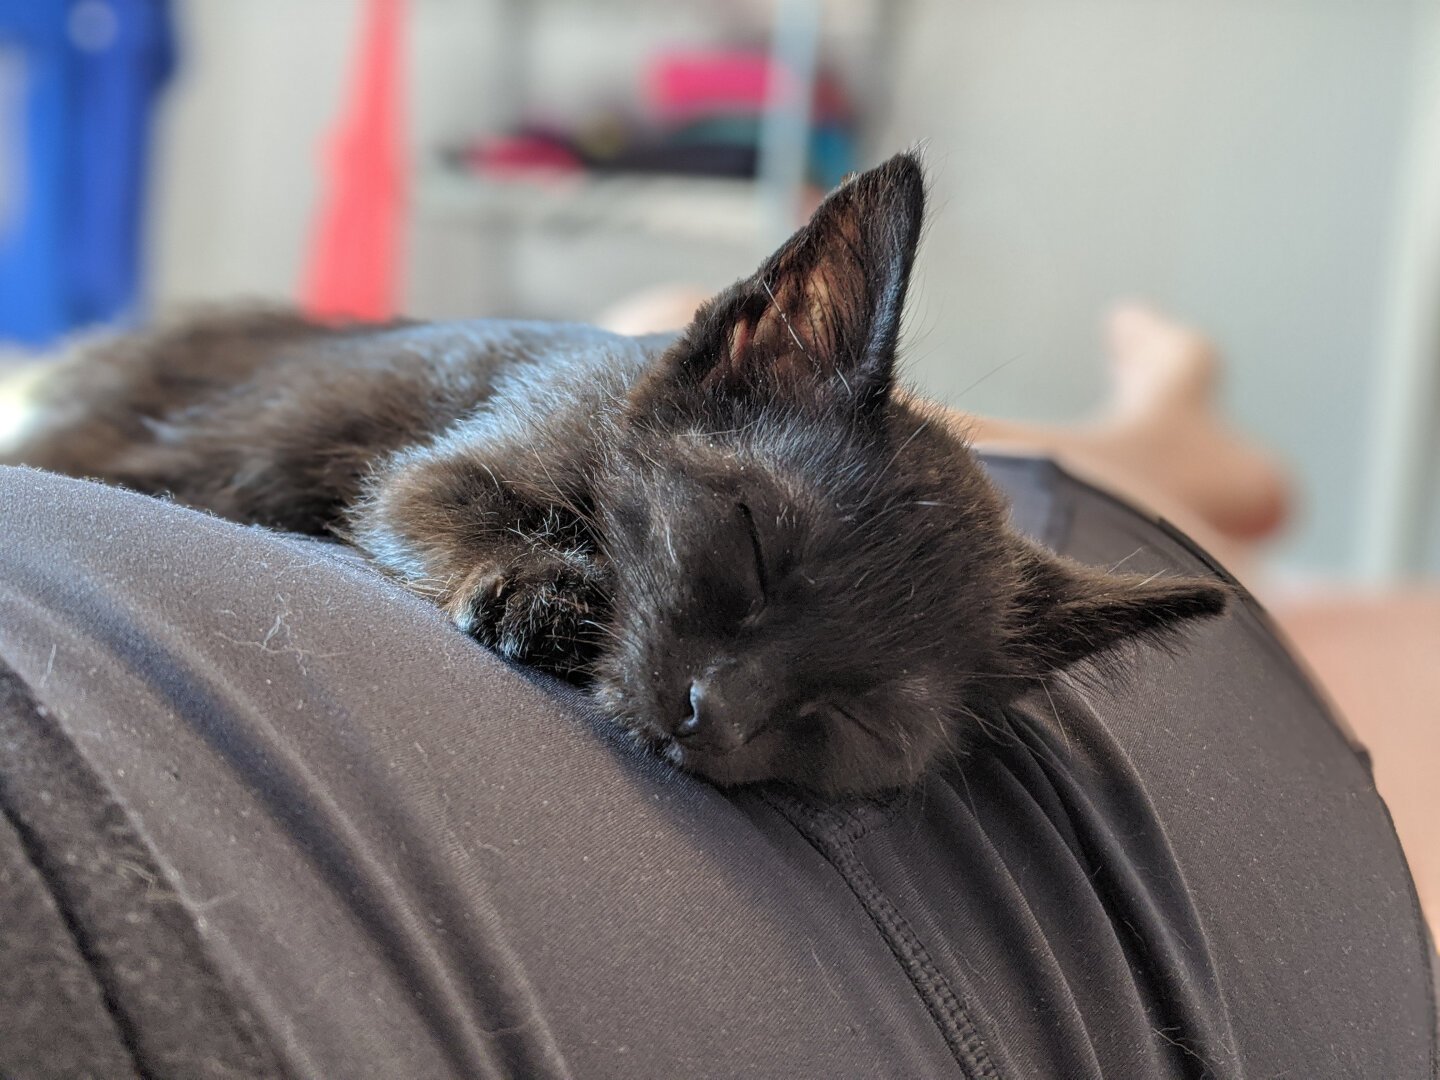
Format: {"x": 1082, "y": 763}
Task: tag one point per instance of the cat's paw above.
{"x": 541, "y": 609}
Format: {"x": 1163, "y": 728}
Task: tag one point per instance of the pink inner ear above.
{"x": 804, "y": 314}
{"x": 793, "y": 339}
{"x": 739, "y": 355}
{"x": 741, "y": 336}
{"x": 778, "y": 346}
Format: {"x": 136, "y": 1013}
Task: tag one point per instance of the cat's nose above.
{"x": 712, "y": 723}
{"x": 699, "y": 706}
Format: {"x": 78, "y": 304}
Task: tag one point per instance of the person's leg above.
{"x": 289, "y": 814}
{"x": 1161, "y": 439}
{"x": 1163, "y": 443}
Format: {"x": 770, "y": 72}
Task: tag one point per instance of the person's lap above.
{"x": 377, "y": 850}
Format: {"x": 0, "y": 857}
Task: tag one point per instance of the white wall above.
{"x": 237, "y": 145}
{"x": 1400, "y": 516}
{"x": 1235, "y": 162}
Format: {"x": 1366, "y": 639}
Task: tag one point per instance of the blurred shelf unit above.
{"x": 694, "y": 209}
{"x": 505, "y": 234}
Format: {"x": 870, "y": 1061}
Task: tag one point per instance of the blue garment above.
{"x": 76, "y": 151}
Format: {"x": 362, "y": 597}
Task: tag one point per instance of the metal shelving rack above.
{"x": 750, "y": 215}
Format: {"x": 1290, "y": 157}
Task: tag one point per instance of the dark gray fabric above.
{"x": 54, "y": 1020}
{"x": 404, "y": 858}
{"x": 163, "y": 998}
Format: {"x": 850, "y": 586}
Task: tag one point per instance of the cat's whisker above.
{"x": 884, "y": 471}
{"x": 1055, "y": 714}
{"x": 1126, "y": 559}
{"x": 990, "y": 374}
{"x": 995, "y": 732}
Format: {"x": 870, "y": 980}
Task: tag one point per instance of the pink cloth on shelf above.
{"x": 688, "y": 84}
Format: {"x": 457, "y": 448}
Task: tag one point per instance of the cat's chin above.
{"x": 722, "y": 770}
{"x": 843, "y": 769}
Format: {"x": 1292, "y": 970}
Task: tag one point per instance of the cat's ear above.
{"x": 823, "y": 314}
{"x": 1068, "y": 612}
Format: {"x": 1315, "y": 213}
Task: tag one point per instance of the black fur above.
{"x": 766, "y": 563}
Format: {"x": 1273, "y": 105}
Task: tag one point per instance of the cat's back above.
{"x": 210, "y": 359}
{"x": 188, "y": 408}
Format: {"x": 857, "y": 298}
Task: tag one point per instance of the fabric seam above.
{"x": 835, "y": 841}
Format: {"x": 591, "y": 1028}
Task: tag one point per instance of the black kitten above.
{"x": 767, "y": 563}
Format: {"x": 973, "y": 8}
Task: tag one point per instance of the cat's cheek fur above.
{"x": 909, "y": 729}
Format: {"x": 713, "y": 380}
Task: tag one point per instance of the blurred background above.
{"x": 1268, "y": 172}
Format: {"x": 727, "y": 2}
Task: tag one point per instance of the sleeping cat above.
{"x": 766, "y": 563}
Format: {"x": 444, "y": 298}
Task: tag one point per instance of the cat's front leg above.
{"x": 500, "y": 542}
{"x": 535, "y": 604}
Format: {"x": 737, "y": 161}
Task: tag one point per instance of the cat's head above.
{"x": 814, "y": 579}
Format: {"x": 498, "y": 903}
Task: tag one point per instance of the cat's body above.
{"x": 266, "y": 418}
{"x": 768, "y": 564}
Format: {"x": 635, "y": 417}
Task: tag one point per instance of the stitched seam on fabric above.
{"x": 858, "y": 820}
{"x": 945, "y": 1006}
{"x": 948, "y": 1012}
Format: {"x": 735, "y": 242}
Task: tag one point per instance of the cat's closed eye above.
{"x": 762, "y": 572}
{"x": 833, "y": 711}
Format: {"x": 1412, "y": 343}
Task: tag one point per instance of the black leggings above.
{"x": 266, "y": 814}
